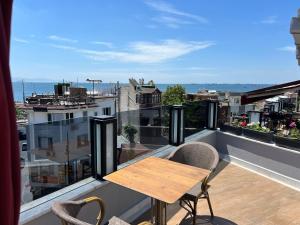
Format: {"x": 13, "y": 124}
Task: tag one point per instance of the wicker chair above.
{"x": 200, "y": 155}
{"x": 67, "y": 211}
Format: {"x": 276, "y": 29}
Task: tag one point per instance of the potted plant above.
{"x": 235, "y": 127}
{"x": 130, "y": 132}
{"x": 258, "y": 132}
{"x": 289, "y": 138}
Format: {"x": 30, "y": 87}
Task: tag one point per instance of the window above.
{"x": 106, "y": 111}
{"x": 95, "y": 113}
{"x": 82, "y": 140}
{"x": 45, "y": 143}
{"x": 69, "y": 116}
{"x": 57, "y": 116}
{"x": 84, "y": 114}
{"x": 49, "y": 115}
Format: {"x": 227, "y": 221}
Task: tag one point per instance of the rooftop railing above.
{"x": 276, "y": 123}
{"x": 58, "y": 154}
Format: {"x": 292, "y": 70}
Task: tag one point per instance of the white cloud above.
{"x": 63, "y": 39}
{"x": 173, "y": 17}
{"x": 269, "y": 20}
{"x": 287, "y": 49}
{"x": 144, "y": 52}
{"x": 170, "y": 21}
{"x": 65, "y": 47}
{"x": 104, "y": 43}
{"x": 197, "y": 68}
{"x": 20, "y": 40}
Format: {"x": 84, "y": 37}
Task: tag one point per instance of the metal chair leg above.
{"x": 195, "y": 211}
{"x": 209, "y": 204}
{"x": 152, "y": 211}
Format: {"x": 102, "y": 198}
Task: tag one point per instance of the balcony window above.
{"x": 106, "y": 111}
{"x": 49, "y": 117}
{"x": 69, "y": 116}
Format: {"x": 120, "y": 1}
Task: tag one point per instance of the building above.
{"x": 203, "y": 95}
{"x": 140, "y": 106}
{"x": 57, "y": 138}
{"x": 67, "y": 102}
{"x": 137, "y": 95}
{"x": 295, "y": 31}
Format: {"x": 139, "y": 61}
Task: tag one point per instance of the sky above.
{"x": 191, "y": 41}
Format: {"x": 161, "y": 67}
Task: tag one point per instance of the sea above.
{"x": 48, "y": 87}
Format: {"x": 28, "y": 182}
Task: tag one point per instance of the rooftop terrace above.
{"x": 255, "y": 183}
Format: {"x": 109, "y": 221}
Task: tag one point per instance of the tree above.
{"x": 174, "y": 95}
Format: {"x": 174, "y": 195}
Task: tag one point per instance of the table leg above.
{"x": 160, "y": 211}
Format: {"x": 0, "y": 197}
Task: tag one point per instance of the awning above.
{"x": 269, "y": 92}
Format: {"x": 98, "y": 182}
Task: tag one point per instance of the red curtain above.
{"x": 9, "y": 149}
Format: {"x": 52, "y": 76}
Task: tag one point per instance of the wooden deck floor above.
{"x": 241, "y": 197}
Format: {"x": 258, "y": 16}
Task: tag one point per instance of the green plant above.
{"x": 295, "y": 133}
{"x": 130, "y": 132}
{"x": 257, "y": 127}
{"x": 20, "y": 114}
{"x": 174, "y": 95}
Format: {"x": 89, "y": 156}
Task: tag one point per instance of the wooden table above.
{"x": 163, "y": 180}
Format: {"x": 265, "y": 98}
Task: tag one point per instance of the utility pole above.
{"x": 23, "y": 91}
{"x": 118, "y": 90}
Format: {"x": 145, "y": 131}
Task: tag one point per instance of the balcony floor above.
{"x": 242, "y": 197}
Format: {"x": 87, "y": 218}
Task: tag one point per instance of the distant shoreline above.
{"x": 75, "y": 82}
{"x": 47, "y": 87}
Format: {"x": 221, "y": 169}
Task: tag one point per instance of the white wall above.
{"x": 276, "y": 162}
{"x": 42, "y": 117}
{"x": 37, "y": 117}
{"x": 128, "y": 99}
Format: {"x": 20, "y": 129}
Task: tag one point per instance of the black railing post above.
{"x": 212, "y": 114}
{"x": 176, "y": 125}
{"x": 103, "y": 145}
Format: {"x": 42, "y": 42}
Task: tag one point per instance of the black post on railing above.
{"x": 176, "y": 125}
{"x": 212, "y": 114}
{"x": 103, "y": 134}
